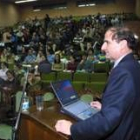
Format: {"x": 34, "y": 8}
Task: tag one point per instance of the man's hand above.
{"x": 96, "y": 104}
{"x": 63, "y": 126}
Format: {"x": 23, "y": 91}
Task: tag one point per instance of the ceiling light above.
{"x": 92, "y": 4}
{"x": 81, "y": 5}
{"x": 37, "y": 10}
{"x": 86, "y": 5}
{"x": 24, "y": 1}
{"x": 60, "y": 8}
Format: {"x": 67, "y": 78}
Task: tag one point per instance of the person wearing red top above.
{"x": 72, "y": 64}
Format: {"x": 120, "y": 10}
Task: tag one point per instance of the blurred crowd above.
{"x": 56, "y": 44}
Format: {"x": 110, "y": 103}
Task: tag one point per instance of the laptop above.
{"x": 70, "y": 101}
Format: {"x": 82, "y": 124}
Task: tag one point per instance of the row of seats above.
{"x": 78, "y": 76}
{"x": 98, "y": 67}
{"x": 102, "y": 67}
{"x": 94, "y": 81}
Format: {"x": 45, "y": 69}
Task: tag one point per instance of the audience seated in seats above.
{"x": 7, "y": 37}
{"x": 90, "y": 60}
{"x": 35, "y": 38}
{"x": 88, "y": 46}
{"x": 97, "y": 48}
{"x": 8, "y": 88}
{"x": 3, "y": 70}
{"x": 81, "y": 67}
{"x": 50, "y": 55}
{"x": 88, "y": 36}
{"x": 40, "y": 56}
{"x": 42, "y": 35}
{"x": 31, "y": 80}
{"x": 41, "y": 47}
{"x": 72, "y": 64}
{"x": 3, "y": 56}
{"x": 33, "y": 83}
{"x": 77, "y": 41}
{"x": 21, "y": 56}
{"x": 10, "y": 58}
{"x": 57, "y": 65}
{"x": 54, "y": 47}
{"x": 49, "y": 47}
{"x": 12, "y": 81}
{"x": 101, "y": 57}
{"x": 47, "y": 20}
{"x": 90, "y": 54}
{"x": 61, "y": 34}
{"x": 31, "y": 57}
{"x": 20, "y": 36}
{"x": 44, "y": 66}
{"x": 19, "y": 71}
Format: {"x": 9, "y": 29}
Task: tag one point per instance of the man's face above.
{"x": 110, "y": 47}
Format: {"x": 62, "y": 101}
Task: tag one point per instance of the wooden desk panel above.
{"x": 39, "y": 125}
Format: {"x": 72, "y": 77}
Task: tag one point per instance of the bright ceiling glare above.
{"x": 60, "y": 8}
{"x": 24, "y": 1}
{"x": 37, "y": 10}
{"x": 86, "y": 5}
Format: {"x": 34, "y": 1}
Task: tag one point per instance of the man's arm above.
{"x": 117, "y": 98}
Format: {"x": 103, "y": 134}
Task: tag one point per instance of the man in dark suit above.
{"x": 119, "y": 116}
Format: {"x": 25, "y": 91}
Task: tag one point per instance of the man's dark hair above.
{"x": 123, "y": 33}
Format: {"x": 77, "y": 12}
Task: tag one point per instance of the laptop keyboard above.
{"x": 87, "y": 113}
{"x": 76, "y": 108}
{"x": 83, "y": 112}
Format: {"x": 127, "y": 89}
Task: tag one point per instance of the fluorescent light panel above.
{"x": 92, "y": 4}
{"x": 86, "y": 5}
{"x": 81, "y": 5}
{"x": 24, "y": 1}
{"x": 37, "y": 10}
{"x": 60, "y": 8}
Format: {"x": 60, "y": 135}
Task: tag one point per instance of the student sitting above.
{"x": 57, "y": 65}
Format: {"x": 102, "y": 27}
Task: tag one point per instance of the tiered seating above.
{"x": 101, "y": 67}
{"x": 46, "y": 78}
{"x": 64, "y": 75}
{"x": 97, "y": 82}
{"x": 80, "y": 81}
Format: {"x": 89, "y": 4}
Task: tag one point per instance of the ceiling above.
{"x": 38, "y": 1}
{"x": 40, "y": 4}
{"x": 55, "y": 1}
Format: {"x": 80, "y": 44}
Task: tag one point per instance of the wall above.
{"x": 9, "y": 14}
{"x": 138, "y": 8}
{"x": 117, "y": 7}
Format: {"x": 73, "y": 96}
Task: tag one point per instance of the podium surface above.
{"x": 39, "y": 125}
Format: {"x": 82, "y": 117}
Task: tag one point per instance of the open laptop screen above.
{"x": 64, "y": 91}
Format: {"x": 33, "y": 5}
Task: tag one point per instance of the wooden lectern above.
{"x": 39, "y": 125}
